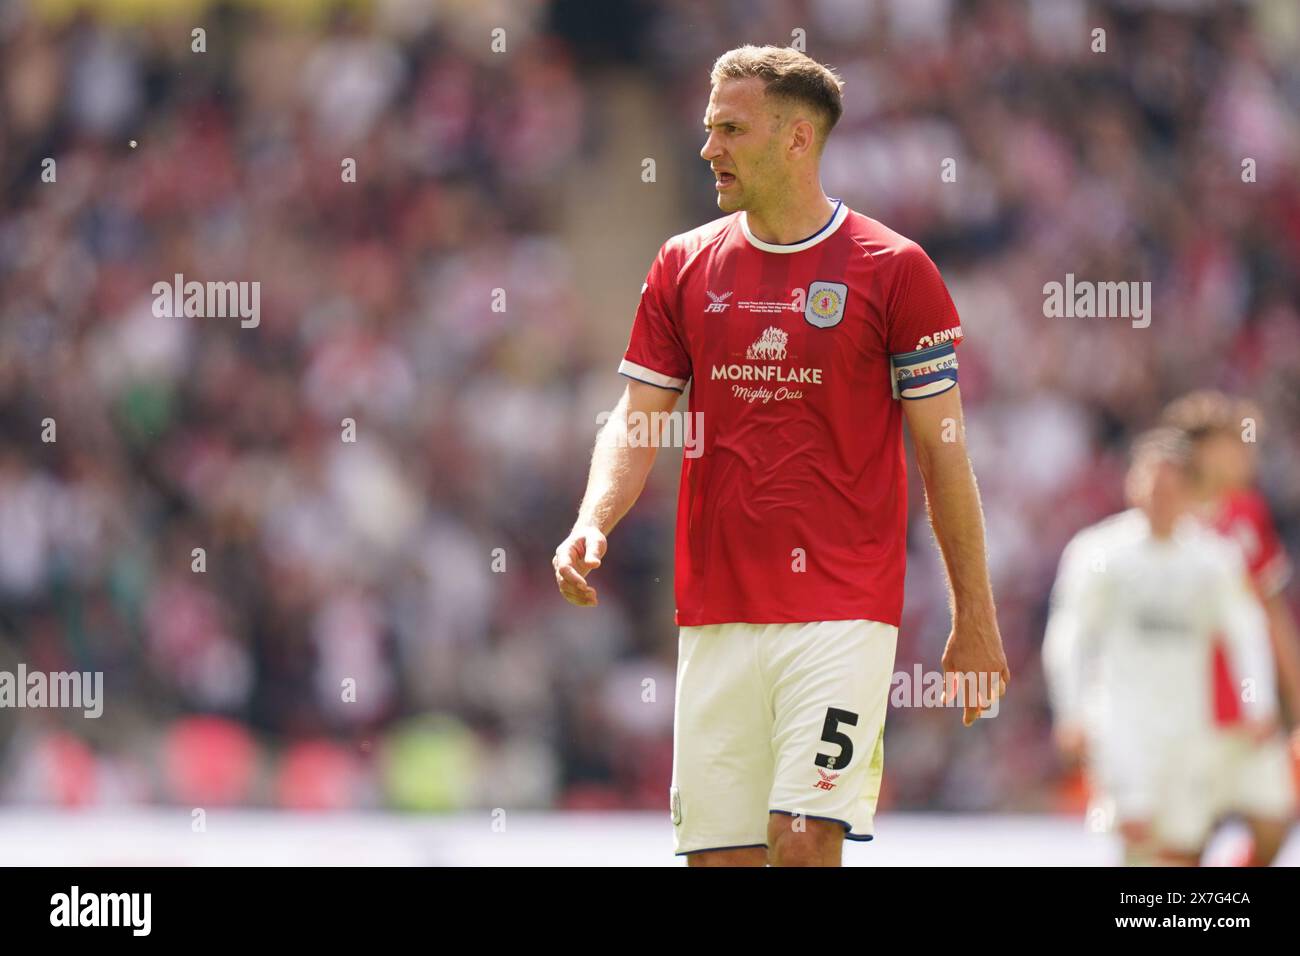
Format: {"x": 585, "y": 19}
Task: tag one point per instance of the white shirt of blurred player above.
{"x": 1127, "y": 650}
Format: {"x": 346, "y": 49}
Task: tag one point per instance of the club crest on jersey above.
{"x": 718, "y": 303}
{"x": 825, "y": 305}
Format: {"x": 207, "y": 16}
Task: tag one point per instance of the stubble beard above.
{"x": 731, "y": 203}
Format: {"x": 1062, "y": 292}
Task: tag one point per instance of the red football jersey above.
{"x": 1244, "y": 517}
{"x": 795, "y": 508}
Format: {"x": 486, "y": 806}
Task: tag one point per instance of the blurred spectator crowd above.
{"x": 375, "y": 623}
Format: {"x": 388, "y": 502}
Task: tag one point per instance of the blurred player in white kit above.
{"x": 1139, "y": 601}
{"x": 1256, "y": 775}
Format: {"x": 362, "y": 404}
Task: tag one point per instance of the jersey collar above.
{"x": 837, "y": 217}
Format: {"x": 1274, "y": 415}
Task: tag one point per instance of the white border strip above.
{"x": 937, "y": 387}
{"x": 841, "y": 213}
{"x": 641, "y": 373}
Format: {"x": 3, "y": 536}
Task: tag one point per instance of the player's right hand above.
{"x": 575, "y": 558}
{"x": 1071, "y": 743}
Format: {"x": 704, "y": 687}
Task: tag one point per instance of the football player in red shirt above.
{"x": 808, "y": 333}
{"x": 1256, "y": 773}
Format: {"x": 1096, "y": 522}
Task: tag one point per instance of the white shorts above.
{"x": 778, "y": 718}
{"x": 1167, "y": 783}
{"x": 1255, "y": 778}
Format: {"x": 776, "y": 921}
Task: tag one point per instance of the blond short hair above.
{"x": 1163, "y": 443}
{"x": 789, "y": 75}
{"x": 1206, "y": 413}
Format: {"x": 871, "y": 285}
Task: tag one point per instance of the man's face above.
{"x": 1223, "y": 460}
{"x": 1169, "y": 487}
{"x": 744, "y": 144}
{"x": 1160, "y": 488}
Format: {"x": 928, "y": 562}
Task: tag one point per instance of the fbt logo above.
{"x": 719, "y": 303}
{"x": 827, "y": 781}
{"x": 947, "y": 335}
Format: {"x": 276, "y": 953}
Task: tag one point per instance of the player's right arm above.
{"x": 1071, "y": 632}
{"x": 619, "y": 467}
{"x": 657, "y": 365}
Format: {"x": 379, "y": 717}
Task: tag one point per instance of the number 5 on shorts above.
{"x": 831, "y": 734}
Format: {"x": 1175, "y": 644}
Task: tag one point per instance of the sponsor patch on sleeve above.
{"x": 925, "y": 372}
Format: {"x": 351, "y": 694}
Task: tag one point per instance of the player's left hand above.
{"x": 974, "y": 656}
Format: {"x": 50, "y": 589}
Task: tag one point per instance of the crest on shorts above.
{"x": 825, "y": 305}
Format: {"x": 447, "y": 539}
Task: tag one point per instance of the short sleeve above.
{"x": 656, "y": 352}
{"x": 922, "y": 328}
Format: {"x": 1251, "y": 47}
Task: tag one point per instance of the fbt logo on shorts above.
{"x": 926, "y": 689}
{"x": 827, "y": 781}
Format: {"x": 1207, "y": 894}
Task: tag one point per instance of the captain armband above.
{"x": 925, "y": 372}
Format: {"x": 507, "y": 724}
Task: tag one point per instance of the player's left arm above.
{"x": 1270, "y": 571}
{"x": 1285, "y": 639}
{"x": 1243, "y": 623}
{"x": 953, "y": 503}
